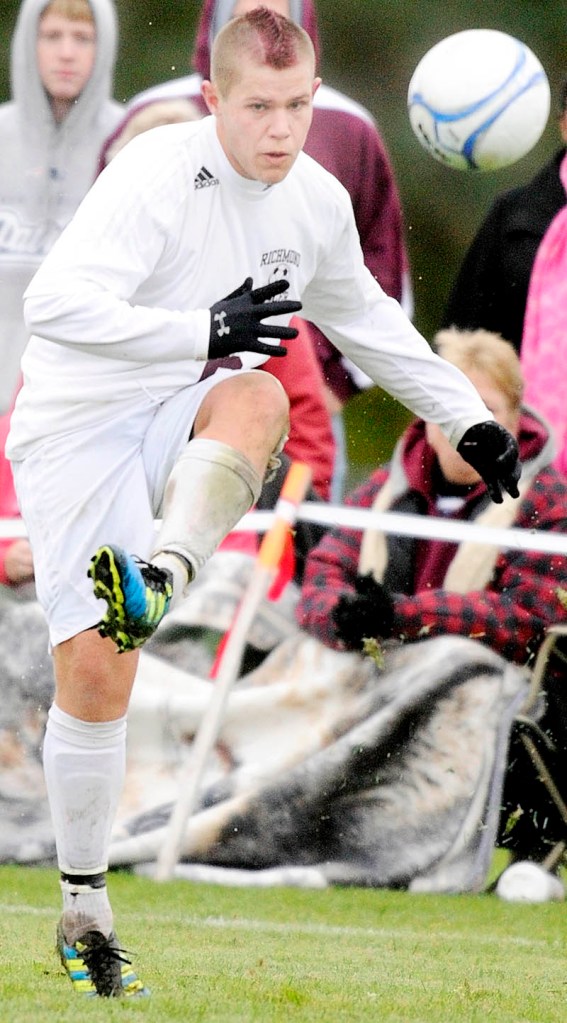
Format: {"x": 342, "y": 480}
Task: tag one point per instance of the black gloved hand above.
{"x": 236, "y": 321}
{"x": 493, "y": 452}
{"x": 367, "y": 613}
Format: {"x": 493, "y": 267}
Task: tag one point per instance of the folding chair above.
{"x": 533, "y": 821}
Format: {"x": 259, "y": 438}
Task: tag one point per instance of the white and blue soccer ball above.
{"x": 479, "y": 100}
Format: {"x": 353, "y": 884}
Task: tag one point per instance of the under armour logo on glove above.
{"x": 236, "y": 321}
{"x": 220, "y": 318}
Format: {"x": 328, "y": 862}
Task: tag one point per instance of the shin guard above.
{"x": 210, "y": 488}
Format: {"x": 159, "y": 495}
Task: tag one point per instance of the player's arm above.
{"x": 85, "y": 293}
{"x": 371, "y": 329}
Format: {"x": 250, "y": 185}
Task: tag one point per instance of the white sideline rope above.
{"x": 425, "y": 527}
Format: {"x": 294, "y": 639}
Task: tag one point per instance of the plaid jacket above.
{"x": 510, "y": 614}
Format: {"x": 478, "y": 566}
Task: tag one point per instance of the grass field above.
{"x": 287, "y": 956}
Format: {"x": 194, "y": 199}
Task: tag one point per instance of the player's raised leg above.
{"x": 217, "y": 477}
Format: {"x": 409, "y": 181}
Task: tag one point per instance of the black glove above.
{"x": 367, "y": 613}
{"x": 493, "y": 452}
{"x": 236, "y": 321}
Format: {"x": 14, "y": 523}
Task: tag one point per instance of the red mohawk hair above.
{"x": 267, "y": 39}
{"x": 276, "y": 36}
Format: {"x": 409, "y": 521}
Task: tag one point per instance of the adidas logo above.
{"x": 205, "y": 179}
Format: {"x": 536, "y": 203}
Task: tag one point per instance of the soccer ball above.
{"x": 478, "y": 100}
{"x": 529, "y": 882}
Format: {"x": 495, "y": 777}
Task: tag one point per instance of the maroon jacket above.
{"x": 311, "y": 437}
{"x": 509, "y": 615}
{"x": 345, "y": 140}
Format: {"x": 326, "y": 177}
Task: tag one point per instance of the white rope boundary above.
{"x": 424, "y": 527}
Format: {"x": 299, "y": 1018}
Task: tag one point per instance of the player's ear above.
{"x": 210, "y": 96}
{"x": 316, "y": 84}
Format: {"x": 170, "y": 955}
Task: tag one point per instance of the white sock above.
{"x": 180, "y": 570}
{"x": 84, "y": 765}
{"x": 85, "y": 908}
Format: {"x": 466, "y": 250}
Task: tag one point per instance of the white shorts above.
{"x": 98, "y": 486}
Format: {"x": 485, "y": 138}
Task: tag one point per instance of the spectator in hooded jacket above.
{"x": 51, "y": 130}
{"x": 344, "y": 138}
{"x": 63, "y": 55}
{"x": 404, "y": 588}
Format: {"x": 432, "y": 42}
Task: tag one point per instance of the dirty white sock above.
{"x": 86, "y": 907}
{"x": 84, "y": 764}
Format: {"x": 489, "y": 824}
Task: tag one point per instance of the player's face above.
{"x": 66, "y": 51}
{"x": 262, "y": 123}
{"x": 453, "y": 467}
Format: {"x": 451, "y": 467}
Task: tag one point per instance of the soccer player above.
{"x": 141, "y": 400}
{"x": 345, "y": 139}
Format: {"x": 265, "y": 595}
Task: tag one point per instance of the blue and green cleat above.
{"x": 137, "y": 594}
{"x": 98, "y": 967}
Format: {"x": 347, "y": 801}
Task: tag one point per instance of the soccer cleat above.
{"x": 97, "y": 966}
{"x": 137, "y": 593}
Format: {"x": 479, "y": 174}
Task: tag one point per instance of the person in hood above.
{"x": 61, "y": 111}
{"x": 344, "y": 138}
{"x": 405, "y": 588}
{"x": 143, "y": 399}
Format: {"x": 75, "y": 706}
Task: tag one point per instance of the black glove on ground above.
{"x": 367, "y": 613}
{"x": 236, "y": 321}
{"x": 493, "y": 452}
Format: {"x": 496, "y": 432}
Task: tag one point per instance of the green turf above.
{"x": 265, "y": 956}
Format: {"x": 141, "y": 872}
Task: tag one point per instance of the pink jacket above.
{"x": 8, "y": 501}
{"x": 544, "y": 342}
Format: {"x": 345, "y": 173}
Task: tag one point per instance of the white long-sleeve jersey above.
{"x": 119, "y": 310}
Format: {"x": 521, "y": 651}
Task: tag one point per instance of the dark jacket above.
{"x": 491, "y": 288}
